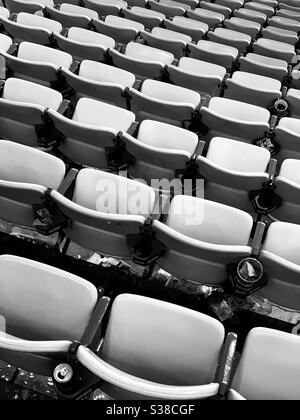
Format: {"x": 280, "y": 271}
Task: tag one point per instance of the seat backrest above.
{"x": 34, "y": 52}
{"x": 89, "y": 37}
{"x": 118, "y": 21}
{"x": 51, "y": 304}
{"x": 269, "y": 367}
{"x": 150, "y": 339}
{"x": 104, "y": 73}
{"x": 237, "y": 110}
{"x": 36, "y": 21}
{"x": 77, "y": 10}
{"x": 5, "y": 42}
{"x": 4, "y": 12}
{"x": 146, "y": 53}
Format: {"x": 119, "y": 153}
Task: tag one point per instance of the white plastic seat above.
{"x": 252, "y": 15}
{"x": 235, "y": 39}
{"x": 211, "y": 18}
{"x": 272, "y": 3}
{"x": 190, "y": 27}
{"x": 37, "y": 63}
{"x": 285, "y": 23}
{"x": 237, "y": 120}
{"x": 265, "y": 66}
{"x": 4, "y": 12}
{"x": 223, "y": 10}
{"x": 279, "y": 34}
{"x": 85, "y": 44}
{"x": 104, "y": 210}
{"x": 5, "y": 43}
{"x": 93, "y": 127}
{"x": 268, "y": 368}
{"x": 118, "y": 28}
{"x": 232, "y": 4}
{"x": 232, "y": 169}
{"x": 25, "y": 175}
{"x": 31, "y": 28}
{"x": 274, "y": 49}
{"x": 106, "y": 7}
{"x": 248, "y": 27}
{"x": 159, "y": 149}
{"x": 142, "y": 60}
{"x": 213, "y": 52}
{"x": 164, "y": 102}
{"x": 100, "y": 81}
{"x": 201, "y": 238}
{"x": 287, "y": 135}
{"x": 197, "y": 75}
{"x": 293, "y": 99}
{"x": 253, "y": 89}
{"x": 22, "y": 107}
{"x": 169, "y": 8}
{"x": 29, "y": 6}
{"x": 259, "y": 7}
{"x": 148, "y": 18}
{"x": 288, "y": 14}
{"x": 280, "y": 259}
{"x": 289, "y": 5}
{"x": 144, "y": 347}
{"x": 164, "y": 39}
{"x": 70, "y": 15}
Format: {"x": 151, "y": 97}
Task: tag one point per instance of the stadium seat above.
{"x": 164, "y": 39}
{"x": 201, "y": 237}
{"x": 104, "y": 210}
{"x": 237, "y": 120}
{"x": 70, "y": 15}
{"x": 85, "y": 44}
{"x": 232, "y": 4}
{"x": 118, "y": 28}
{"x": 259, "y": 7}
{"x": 232, "y": 169}
{"x": 169, "y": 8}
{"x": 213, "y": 52}
{"x": 266, "y": 374}
{"x": 274, "y": 49}
{"x": 235, "y": 39}
{"x": 22, "y": 108}
{"x": 253, "y": 89}
{"x": 5, "y": 43}
{"x": 285, "y": 23}
{"x": 223, "y": 10}
{"x": 143, "y": 351}
{"x": 106, "y": 7}
{"x": 4, "y": 12}
{"x": 272, "y": 3}
{"x": 205, "y": 78}
{"x": 248, "y": 27}
{"x": 164, "y": 102}
{"x": 37, "y": 336}
{"x": 293, "y": 99}
{"x": 211, "y": 18}
{"x": 287, "y": 136}
{"x": 100, "y": 81}
{"x": 279, "y": 34}
{"x": 148, "y": 18}
{"x": 31, "y": 28}
{"x": 288, "y": 14}
{"x": 25, "y": 175}
{"x": 28, "y": 6}
{"x": 37, "y": 63}
{"x": 190, "y": 27}
{"x": 142, "y": 60}
{"x": 93, "y": 127}
{"x": 265, "y": 66}
{"x": 253, "y": 15}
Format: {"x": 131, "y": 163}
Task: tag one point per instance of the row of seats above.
{"x": 151, "y": 349}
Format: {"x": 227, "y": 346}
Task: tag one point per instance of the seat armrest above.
{"x": 258, "y": 238}
{"x": 226, "y": 363}
{"x": 13, "y": 49}
{"x": 68, "y": 181}
{"x": 272, "y": 170}
{"x": 133, "y": 128}
{"x": 74, "y": 67}
{"x": 90, "y": 337}
{"x": 64, "y": 107}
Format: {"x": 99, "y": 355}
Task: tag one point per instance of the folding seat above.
{"x": 160, "y": 150}
{"x": 142, "y": 356}
{"x": 216, "y": 8}
{"x": 213, "y": 52}
{"x": 31, "y": 28}
{"x": 25, "y": 175}
{"x": 22, "y": 108}
{"x": 268, "y": 368}
{"x": 29, "y": 6}
{"x": 93, "y": 127}
{"x": 100, "y": 81}
{"x": 4, "y": 12}
{"x": 293, "y": 99}
{"x": 231, "y": 170}
{"x": 164, "y": 102}
{"x": 205, "y": 78}
{"x": 190, "y": 27}
{"x": 140, "y": 3}
{"x": 118, "y": 28}
{"x": 201, "y": 237}
{"x": 85, "y": 44}
{"x": 234, "y": 39}
{"x": 289, "y": 14}
{"x": 164, "y": 39}
{"x": 249, "y": 14}
{"x": 37, "y": 63}
{"x": 5, "y": 43}
{"x": 248, "y": 27}
{"x": 253, "y": 89}
{"x": 237, "y": 120}
{"x": 265, "y": 66}
{"x": 104, "y": 210}
{"x": 289, "y": 4}
{"x": 142, "y": 60}
{"x": 279, "y": 34}
{"x": 272, "y": 3}
{"x": 210, "y": 17}
{"x": 148, "y": 18}
{"x": 280, "y": 259}
{"x": 106, "y": 7}
{"x": 259, "y": 7}
{"x": 70, "y": 15}
{"x": 274, "y": 49}
{"x": 232, "y": 4}
{"x": 54, "y": 309}
{"x": 169, "y": 8}
{"x": 287, "y": 136}
{"x": 285, "y": 23}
